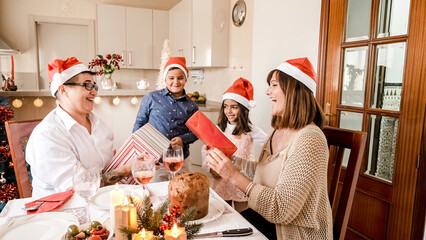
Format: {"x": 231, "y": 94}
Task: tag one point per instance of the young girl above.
{"x": 235, "y": 123}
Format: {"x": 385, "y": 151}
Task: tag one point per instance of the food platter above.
{"x": 106, "y": 225}
{"x": 216, "y": 209}
{"x": 46, "y": 226}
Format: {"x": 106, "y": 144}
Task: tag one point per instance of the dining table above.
{"x": 14, "y": 217}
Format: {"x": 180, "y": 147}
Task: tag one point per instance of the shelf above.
{"x": 106, "y": 93}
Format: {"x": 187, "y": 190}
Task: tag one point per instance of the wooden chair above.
{"x": 343, "y": 139}
{"x": 17, "y": 136}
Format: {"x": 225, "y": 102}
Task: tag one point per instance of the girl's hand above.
{"x": 176, "y": 141}
{"x": 221, "y": 164}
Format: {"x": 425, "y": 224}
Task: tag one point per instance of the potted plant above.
{"x": 105, "y": 67}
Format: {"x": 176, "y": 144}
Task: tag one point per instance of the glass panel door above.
{"x": 358, "y": 20}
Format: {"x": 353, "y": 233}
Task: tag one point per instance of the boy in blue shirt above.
{"x": 168, "y": 110}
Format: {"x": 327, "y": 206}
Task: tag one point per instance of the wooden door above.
{"x": 372, "y": 78}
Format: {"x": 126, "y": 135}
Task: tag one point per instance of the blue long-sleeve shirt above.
{"x": 168, "y": 115}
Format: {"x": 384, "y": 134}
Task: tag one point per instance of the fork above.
{"x": 35, "y": 207}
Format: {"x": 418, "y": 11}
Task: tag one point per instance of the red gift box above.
{"x": 210, "y": 134}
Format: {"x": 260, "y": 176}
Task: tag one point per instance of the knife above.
{"x": 228, "y": 233}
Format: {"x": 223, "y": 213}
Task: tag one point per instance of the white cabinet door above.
{"x": 139, "y": 38}
{"x": 180, "y": 18}
{"x": 160, "y": 33}
{"x": 111, "y": 29}
{"x": 201, "y": 33}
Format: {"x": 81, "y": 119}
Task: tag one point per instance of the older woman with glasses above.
{"x": 70, "y": 133}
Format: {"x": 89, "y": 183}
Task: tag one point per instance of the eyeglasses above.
{"x": 88, "y": 85}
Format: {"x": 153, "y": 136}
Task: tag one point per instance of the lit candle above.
{"x": 115, "y": 197}
{"x": 176, "y": 233}
{"x": 125, "y": 216}
{"x": 143, "y": 235}
{"x": 13, "y": 68}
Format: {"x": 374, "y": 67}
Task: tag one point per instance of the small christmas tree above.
{"x": 8, "y": 189}
{"x": 165, "y": 55}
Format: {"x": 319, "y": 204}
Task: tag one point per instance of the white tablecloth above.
{"x": 76, "y": 206}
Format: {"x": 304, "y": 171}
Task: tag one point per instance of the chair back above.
{"x": 343, "y": 139}
{"x": 18, "y": 133}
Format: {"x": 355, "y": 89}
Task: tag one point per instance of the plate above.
{"x": 216, "y": 208}
{"x": 101, "y": 199}
{"x": 46, "y": 226}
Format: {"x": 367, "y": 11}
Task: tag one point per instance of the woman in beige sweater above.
{"x": 290, "y": 185}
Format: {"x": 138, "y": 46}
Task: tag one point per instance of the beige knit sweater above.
{"x": 295, "y": 197}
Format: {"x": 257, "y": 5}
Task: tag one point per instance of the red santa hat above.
{"x": 302, "y": 70}
{"x": 178, "y": 62}
{"x": 241, "y": 91}
{"x": 62, "y": 70}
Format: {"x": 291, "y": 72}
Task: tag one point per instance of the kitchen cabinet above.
{"x": 160, "y": 33}
{"x": 126, "y": 31}
{"x": 199, "y": 31}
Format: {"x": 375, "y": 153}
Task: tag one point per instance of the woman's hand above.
{"x": 221, "y": 164}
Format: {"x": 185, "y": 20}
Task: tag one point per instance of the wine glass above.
{"x": 143, "y": 169}
{"x": 86, "y": 182}
{"x": 173, "y": 159}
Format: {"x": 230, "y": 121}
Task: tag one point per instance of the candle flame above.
{"x": 175, "y": 230}
{"x": 143, "y": 232}
{"x": 116, "y": 186}
{"x": 126, "y": 202}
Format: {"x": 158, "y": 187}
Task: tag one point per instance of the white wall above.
{"x": 282, "y": 29}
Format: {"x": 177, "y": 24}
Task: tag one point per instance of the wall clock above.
{"x": 239, "y": 13}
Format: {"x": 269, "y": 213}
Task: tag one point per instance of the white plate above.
{"x": 216, "y": 208}
{"x": 51, "y": 225}
{"x": 101, "y": 199}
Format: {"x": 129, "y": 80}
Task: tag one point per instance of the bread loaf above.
{"x": 188, "y": 190}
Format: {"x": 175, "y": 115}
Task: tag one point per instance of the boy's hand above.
{"x": 176, "y": 141}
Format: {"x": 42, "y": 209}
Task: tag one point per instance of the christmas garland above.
{"x": 158, "y": 220}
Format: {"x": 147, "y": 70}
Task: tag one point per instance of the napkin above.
{"x": 55, "y": 200}
{"x": 209, "y": 134}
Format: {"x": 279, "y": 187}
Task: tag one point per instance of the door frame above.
{"x": 401, "y": 192}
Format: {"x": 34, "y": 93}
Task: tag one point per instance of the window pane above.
{"x": 389, "y": 74}
{"x": 381, "y": 156}
{"x": 393, "y": 18}
{"x": 358, "y": 20}
{"x": 351, "y": 121}
{"x": 354, "y": 69}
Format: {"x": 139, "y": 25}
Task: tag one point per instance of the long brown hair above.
{"x": 243, "y": 125}
{"x": 301, "y": 108}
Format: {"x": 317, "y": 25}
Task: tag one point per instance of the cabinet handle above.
{"x": 123, "y": 54}
{"x": 130, "y": 58}
{"x": 193, "y": 54}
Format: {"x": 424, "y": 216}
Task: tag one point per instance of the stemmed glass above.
{"x": 173, "y": 159}
{"x": 86, "y": 182}
{"x": 143, "y": 169}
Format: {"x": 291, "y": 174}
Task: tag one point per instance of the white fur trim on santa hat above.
{"x": 60, "y": 78}
{"x": 166, "y": 70}
{"x": 238, "y": 98}
{"x": 298, "y": 75}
